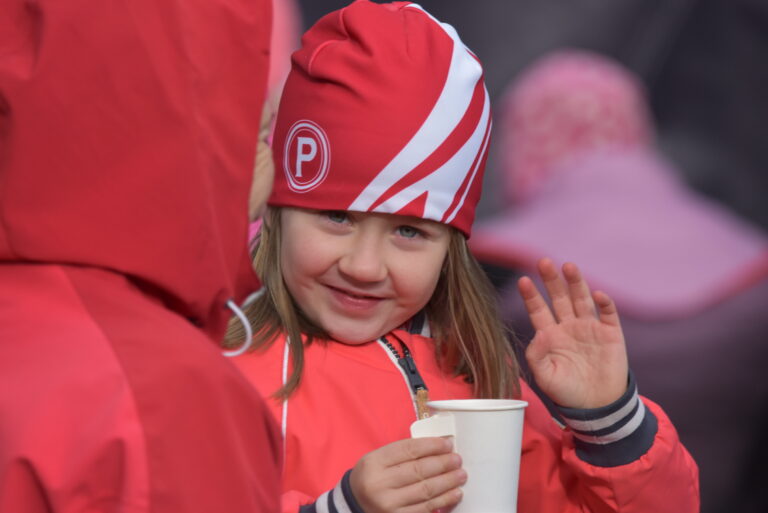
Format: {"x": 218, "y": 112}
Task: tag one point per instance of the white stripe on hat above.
{"x": 474, "y": 170}
{"x": 451, "y": 106}
{"x": 447, "y": 178}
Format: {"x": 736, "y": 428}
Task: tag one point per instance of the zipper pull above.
{"x": 418, "y": 386}
{"x": 411, "y": 372}
{"x": 415, "y": 381}
{"x": 422, "y": 397}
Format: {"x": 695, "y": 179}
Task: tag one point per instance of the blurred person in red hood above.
{"x": 127, "y": 140}
{"x": 584, "y": 180}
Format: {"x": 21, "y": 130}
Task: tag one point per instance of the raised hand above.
{"x": 416, "y": 475}
{"x": 578, "y": 357}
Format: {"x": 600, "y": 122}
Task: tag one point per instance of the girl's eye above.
{"x": 337, "y": 216}
{"x": 409, "y": 232}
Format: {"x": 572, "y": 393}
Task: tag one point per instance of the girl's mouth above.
{"x": 353, "y": 300}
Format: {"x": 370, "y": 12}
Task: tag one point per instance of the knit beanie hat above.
{"x": 384, "y": 110}
{"x": 563, "y": 105}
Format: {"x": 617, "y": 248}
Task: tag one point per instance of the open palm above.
{"x": 578, "y": 357}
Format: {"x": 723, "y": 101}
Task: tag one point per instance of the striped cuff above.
{"x": 613, "y": 435}
{"x": 338, "y": 500}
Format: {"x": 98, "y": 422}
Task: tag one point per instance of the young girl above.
{"x": 372, "y": 301}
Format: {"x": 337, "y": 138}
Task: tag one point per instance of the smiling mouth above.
{"x": 353, "y": 295}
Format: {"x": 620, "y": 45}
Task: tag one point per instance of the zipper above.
{"x": 416, "y": 383}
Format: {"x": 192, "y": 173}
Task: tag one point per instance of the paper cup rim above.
{"x": 477, "y": 404}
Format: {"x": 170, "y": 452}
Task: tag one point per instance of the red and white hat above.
{"x": 385, "y": 110}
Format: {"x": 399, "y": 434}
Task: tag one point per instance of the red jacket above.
{"x": 353, "y": 399}
{"x": 127, "y": 139}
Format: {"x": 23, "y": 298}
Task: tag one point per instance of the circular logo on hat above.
{"x": 306, "y": 156}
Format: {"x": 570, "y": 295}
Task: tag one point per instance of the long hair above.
{"x": 470, "y": 339}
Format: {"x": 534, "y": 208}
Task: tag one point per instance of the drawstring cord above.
{"x": 249, "y": 342}
{"x": 284, "y": 416}
{"x": 248, "y": 331}
{"x": 244, "y": 320}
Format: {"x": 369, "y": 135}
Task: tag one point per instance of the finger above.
{"x": 538, "y": 310}
{"x": 437, "y": 504}
{"x": 556, "y": 289}
{"x": 581, "y": 298}
{"x": 412, "y": 449}
{"x": 446, "y": 500}
{"x": 427, "y": 467}
{"x": 606, "y": 309}
{"x": 434, "y": 493}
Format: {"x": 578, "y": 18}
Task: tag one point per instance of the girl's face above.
{"x": 360, "y": 275}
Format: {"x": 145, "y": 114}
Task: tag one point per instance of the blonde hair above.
{"x": 470, "y": 339}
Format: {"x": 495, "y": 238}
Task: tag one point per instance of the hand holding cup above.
{"x": 416, "y": 475}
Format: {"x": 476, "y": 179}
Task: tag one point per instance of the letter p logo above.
{"x": 301, "y": 155}
{"x": 306, "y": 156}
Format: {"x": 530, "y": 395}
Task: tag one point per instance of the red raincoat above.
{"x": 354, "y": 399}
{"x": 127, "y": 140}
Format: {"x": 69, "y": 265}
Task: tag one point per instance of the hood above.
{"x": 127, "y": 139}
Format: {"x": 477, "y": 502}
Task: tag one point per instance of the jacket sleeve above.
{"x": 339, "y": 498}
{"x": 626, "y": 457}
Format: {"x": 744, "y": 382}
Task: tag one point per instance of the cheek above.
{"x": 430, "y": 283}
{"x": 418, "y": 282}
{"x": 292, "y": 265}
{"x": 304, "y": 260}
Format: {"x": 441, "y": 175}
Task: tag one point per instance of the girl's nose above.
{"x": 363, "y": 261}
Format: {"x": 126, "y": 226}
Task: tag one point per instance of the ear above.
{"x": 264, "y": 167}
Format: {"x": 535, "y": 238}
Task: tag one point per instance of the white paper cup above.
{"x": 488, "y": 435}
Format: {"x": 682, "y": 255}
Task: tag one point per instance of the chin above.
{"x": 354, "y": 336}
